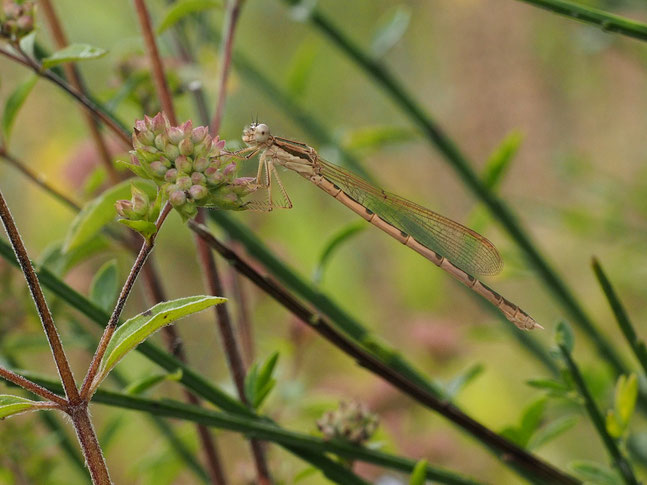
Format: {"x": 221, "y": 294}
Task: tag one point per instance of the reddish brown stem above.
{"x": 62, "y": 364}
{"x": 231, "y": 22}
{"x": 90, "y": 445}
{"x": 153, "y": 54}
{"x": 74, "y": 76}
{"x": 147, "y": 247}
{"x": 32, "y": 387}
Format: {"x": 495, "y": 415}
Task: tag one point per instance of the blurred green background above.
{"x": 483, "y": 69}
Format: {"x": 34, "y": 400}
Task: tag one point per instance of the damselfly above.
{"x": 451, "y": 246}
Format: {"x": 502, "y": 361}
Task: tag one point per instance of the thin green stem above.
{"x": 619, "y": 461}
{"x": 637, "y": 345}
{"x": 452, "y": 154}
{"x": 599, "y": 18}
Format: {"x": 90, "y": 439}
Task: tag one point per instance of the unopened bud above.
{"x": 229, "y": 169}
{"x": 140, "y": 202}
{"x": 124, "y": 208}
{"x": 158, "y": 168}
{"x": 145, "y": 137}
{"x": 186, "y": 147}
{"x": 170, "y": 175}
{"x": 201, "y": 164}
{"x": 198, "y": 179}
{"x": 158, "y": 123}
{"x": 187, "y": 128}
{"x": 202, "y": 149}
{"x": 198, "y": 192}
{"x": 177, "y": 198}
{"x": 184, "y": 182}
{"x": 171, "y": 152}
{"x": 198, "y": 134}
{"x": 175, "y": 134}
{"x": 183, "y": 164}
{"x": 214, "y": 176}
{"x": 25, "y": 23}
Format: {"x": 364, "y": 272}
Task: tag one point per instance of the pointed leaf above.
{"x": 552, "y": 431}
{"x": 336, "y": 241}
{"x": 564, "y": 336}
{"x": 12, "y": 405}
{"x": 104, "y": 288}
{"x": 625, "y": 397}
{"x": 100, "y": 211}
{"x": 250, "y": 382}
{"x": 142, "y": 385}
{"x": 595, "y": 473}
{"x": 613, "y": 425}
{"x": 60, "y": 263}
{"x": 419, "y": 474}
{"x": 531, "y": 419}
{"x": 181, "y": 9}
{"x": 459, "y": 382}
{"x": 145, "y": 228}
{"x": 73, "y": 53}
{"x": 499, "y": 161}
{"x": 134, "y": 168}
{"x": 137, "y": 329}
{"x": 390, "y": 30}
{"x": 27, "y": 44}
{"x": 301, "y": 68}
{"x": 14, "y": 102}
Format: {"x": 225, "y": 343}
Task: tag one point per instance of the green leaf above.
{"x": 548, "y": 384}
{"x": 60, "y": 263}
{"x": 459, "y": 382}
{"x": 137, "y": 329}
{"x": 104, "y": 288}
{"x": 179, "y": 10}
{"x": 419, "y": 473}
{"x": 11, "y": 405}
{"x": 532, "y": 418}
{"x": 145, "y": 228}
{"x": 595, "y": 473}
{"x": 343, "y": 235}
{"x": 391, "y": 27}
{"x": 613, "y": 425}
{"x": 564, "y": 336}
{"x": 142, "y": 385}
{"x": 259, "y": 381}
{"x": 95, "y": 180}
{"x": 551, "y": 431}
{"x": 27, "y": 44}
{"x": 376, "y": 137}
{"x": 301, "y": 67}
{"x": 73, "y": 53}
{"x": 14, "y": 102}
{"x": 133, "y": 167}
{"x": 625, "y": 397}
{"x": 100, "y": 211}
{"x": 499, "y": 161}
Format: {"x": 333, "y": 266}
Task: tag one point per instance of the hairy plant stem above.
{"x": 62, "y": 364}
{"x": 74, "y": 76}
{"x": 89, "y": 443}
{"x": 32, "y": 387}
{"x": 147, "y": 247}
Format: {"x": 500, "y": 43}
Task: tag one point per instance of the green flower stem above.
{"x": 383, "y": 78}
{"x": 262, "y": 429}
{"x": 604, "y": 20}
{"x": 619, "y": 461}
{"x": 365, "y": 358}
{"x": 637, "y": 346}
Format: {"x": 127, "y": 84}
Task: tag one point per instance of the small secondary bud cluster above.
{"x": 351, "y": 422}
{"x": 186, "y": 163}
{"x": 16, "y": 19}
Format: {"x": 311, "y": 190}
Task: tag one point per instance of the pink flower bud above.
{"x": 140, "y": 125}
{"x": 229, "y": 169}
{"x": 160, "y": 142}
{"x": 171, "y": 188}
{"x": 201, "y": 164}
{"x": 158, "y": 123}
{"x": 171, "y": 152}
{"x": 198, "y": 192}
{"x": 186, "y": 147}
{"x": 184, "y": 182}
{"x": 158, "y": 168}
{"x": 177, "y": 198}
{"x": 214, "y": 177}
{"x": 170, "y": 175}
{"x": 183, "y": 164}
{"x": 198, "y": 179}
{"x": 25, "y": 23}
{"x": 165, "y": 161}
{"x": 175, "y": 134}
{"x": 187, "y": 127}
{"x": 124, "y": 208}
{"x": 202, "y": 148}
{"x": 145, "y": 137}
{"x": 198, "y": 134}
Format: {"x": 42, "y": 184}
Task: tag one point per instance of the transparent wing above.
{"x": 463, "y": 247}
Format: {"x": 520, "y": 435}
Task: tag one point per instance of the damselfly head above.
{"x": 256, "y": 134}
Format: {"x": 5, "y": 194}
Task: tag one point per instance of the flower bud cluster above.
{"x": 186, "y": 163}
{"x": 16, "y": 19}
{"x": 138, "y": 208}
{"x": 351, "y": 422}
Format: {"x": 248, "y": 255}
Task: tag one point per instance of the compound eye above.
{"x": 262, "y": 132}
